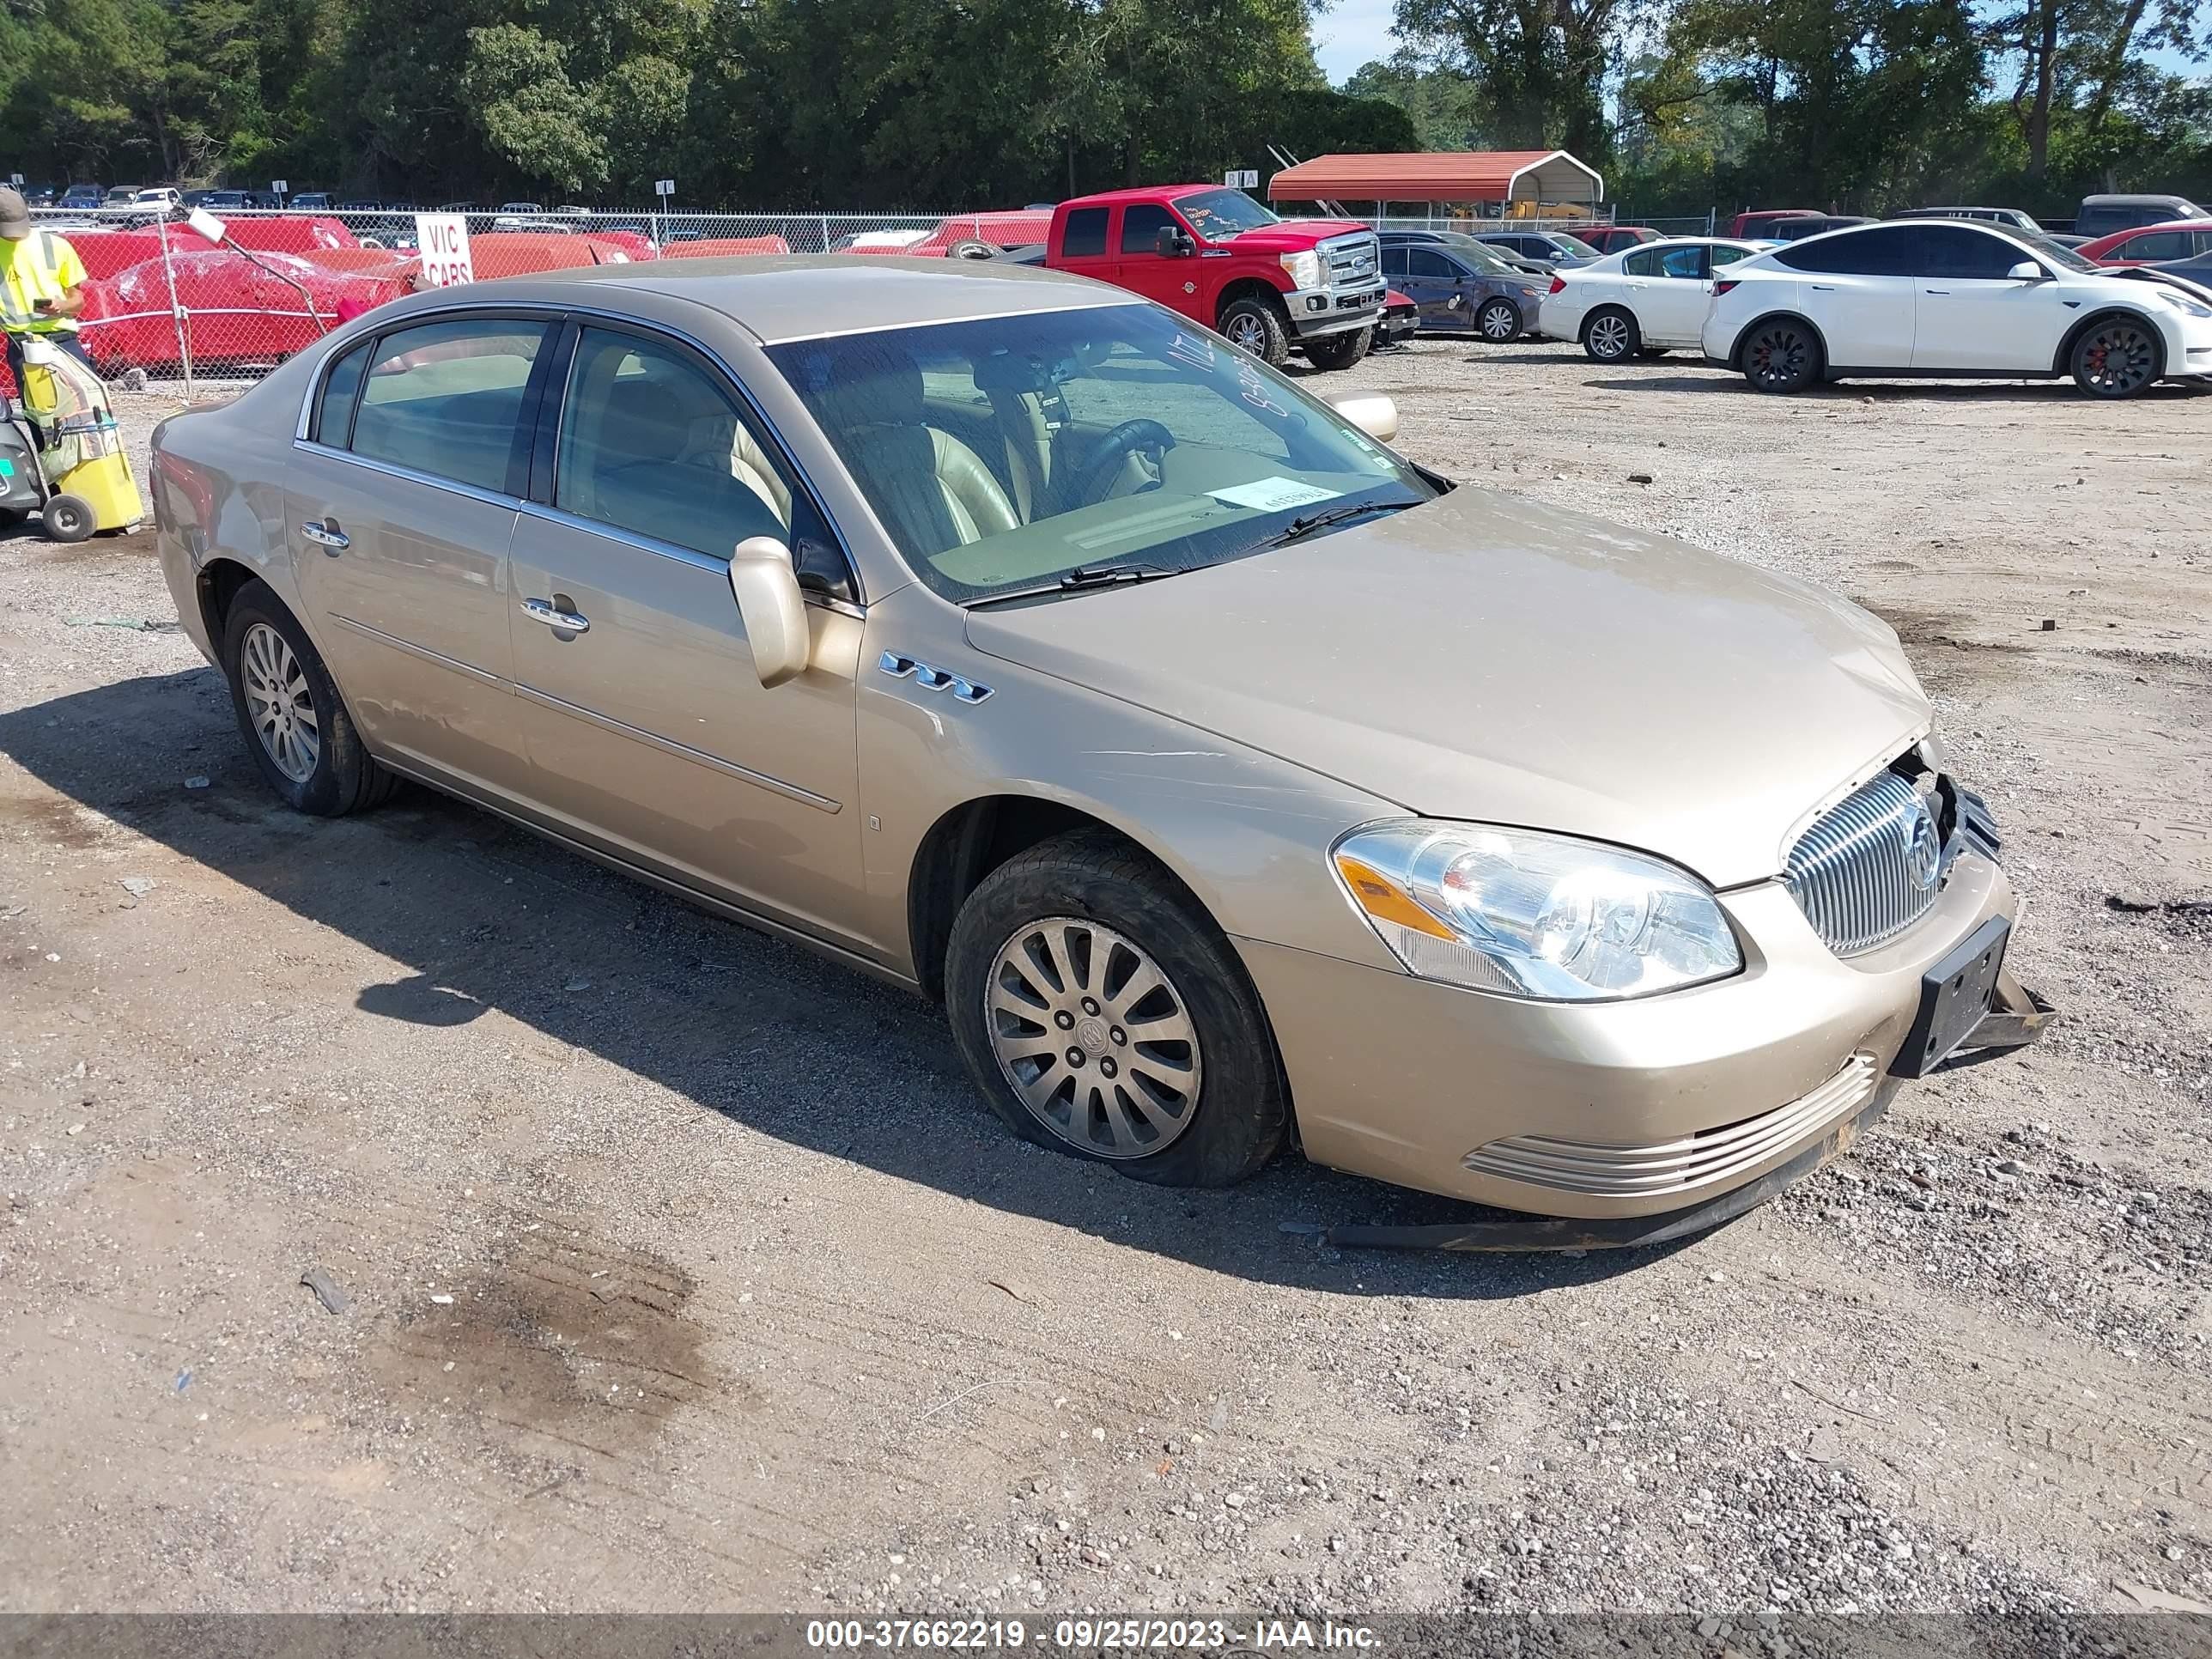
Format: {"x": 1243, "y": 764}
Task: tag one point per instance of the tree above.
{"x": 1538, "y": 67}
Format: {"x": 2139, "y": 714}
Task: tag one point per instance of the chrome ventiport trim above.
{"x": 1869, "y": 867}
{"x": 932, "y": 679}
{"x": 1712, "y": 1157}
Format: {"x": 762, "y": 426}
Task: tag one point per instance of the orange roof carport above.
{"x": 1476, "y": 175}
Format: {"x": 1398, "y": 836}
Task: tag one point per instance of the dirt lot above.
{"x": 686, "y": 1271}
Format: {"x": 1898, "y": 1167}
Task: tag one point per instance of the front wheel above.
{"x": 2117, "y": 357}
{"x": 1498, "y": 321}
{"x": 1340, "y": 351}
{"x": 1257, "y": 325}
{"x": 1611, "y": 337}
{"x": 1102, "y": 1014}
{"x": 290, "y": 714}
{"x": 1782, "y": 356}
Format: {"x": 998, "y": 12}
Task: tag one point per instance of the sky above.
{"x": 1352, "y": 32}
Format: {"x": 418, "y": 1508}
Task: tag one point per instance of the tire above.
{"x": 1340, "y": 351}
{"x": 1498, "y": 321}
{"x": 339, "y": 776}
{"x": 1610, "y": 336}
{"x": 1258, "y": 325}
{"x": 1781, "y": 355}
{"x": 1657, "y": 351}
{"x": 2118, "y": 356}
{"x": 67, "y": 519}
{"x": 1120, "y": 913}
{"x": 970, "y": 248}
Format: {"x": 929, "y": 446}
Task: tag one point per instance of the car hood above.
{"x": 1488, "y": 657}
{"x": 1291, "y": 236}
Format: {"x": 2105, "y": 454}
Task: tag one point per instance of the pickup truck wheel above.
{"x": 1102, "y": 1014}
{"x": 288, "y": 709}
{"x": 1340, "y": 351}
{"x": 1258, "y": 325}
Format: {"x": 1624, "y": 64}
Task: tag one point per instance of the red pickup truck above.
{"x": 1270, "y": 285}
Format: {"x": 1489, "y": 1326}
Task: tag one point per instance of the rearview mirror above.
{"x": 769, "y": 605}
{"x": 1173, "y": 244}
{"x": 2028, "y": 272}
{"x": 1370, "y": 411}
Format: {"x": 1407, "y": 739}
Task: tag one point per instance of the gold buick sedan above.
{"x": 1234, "y": 782}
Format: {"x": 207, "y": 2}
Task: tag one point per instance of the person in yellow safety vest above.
{"x": 41, "y": 285}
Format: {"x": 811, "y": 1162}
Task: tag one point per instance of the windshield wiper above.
{"x": 1085, "y": 576}
{"x": 1299, "y": 529}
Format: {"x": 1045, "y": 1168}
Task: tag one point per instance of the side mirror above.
{"x": 2027, "y": 270}
{"x": 769, "y": 605}
{"x": 1173, "y": 244}
{"x": 1370, "y": 411}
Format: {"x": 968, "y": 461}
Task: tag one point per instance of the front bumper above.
{"x": 1316, "y": 313}
{"x": 1615, "y": 1109}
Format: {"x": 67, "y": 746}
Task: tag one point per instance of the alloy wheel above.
{"x": 1244, "y": 330}
{"x": 280, "y": 703}
{"x": 1779, "y": 357}
{"x": 1608, "y": 338}
{"x": 1094, "y": 1038}
{"x": 1498, "y": 322}
{"x": 2117, "y": 359}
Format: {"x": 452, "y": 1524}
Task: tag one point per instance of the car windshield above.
{"x": 1575, "y": 244}
{"x": 2057, "y": 253}
{"x": 1218, "y": 215}
{"x": 1015, "y": 454}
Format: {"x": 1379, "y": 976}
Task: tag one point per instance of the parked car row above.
{"x": 1915, "y": 297}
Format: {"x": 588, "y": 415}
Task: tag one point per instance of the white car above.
{"x": 1951, "y": 300}
{"x": 1649, "y": 297}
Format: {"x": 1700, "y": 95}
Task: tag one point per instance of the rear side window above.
{"x": 334, "y": 408}
{"x": 1884, "y": 251}
{"x": 1642, "y": 265}
{"x": 1085, "y": 233}
{"x": 1955, "y": 250}
{"x": 1141, "y": 226}
{"x": 446, "y": 398}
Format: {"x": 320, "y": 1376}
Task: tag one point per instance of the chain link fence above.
{"x": 1699, "y": 224}
{"x": 164, "y": 303}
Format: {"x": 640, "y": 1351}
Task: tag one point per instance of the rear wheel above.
{"x": 289, "y": 711}
{"x": 2117, "y": 357}
{"x": 1611, "y": 335}
{"x": 1102, "y": 1014}
{"x": 1781, "y": 355}
{"x": 1257, "y": 325}
{"x": 1340, "y": 351}
{"x": 1498, "y": 321}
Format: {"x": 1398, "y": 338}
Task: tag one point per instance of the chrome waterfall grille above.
{"x": 1869, "y": 867}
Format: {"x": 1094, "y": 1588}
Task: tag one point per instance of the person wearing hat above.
{"x": 41, "y": 285}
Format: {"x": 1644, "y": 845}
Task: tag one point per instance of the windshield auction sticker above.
{"x": 1273, "y": 494}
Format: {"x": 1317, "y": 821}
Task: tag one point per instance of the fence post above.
{"x": 825, "y": 232}
{"x": 176, "y": 311}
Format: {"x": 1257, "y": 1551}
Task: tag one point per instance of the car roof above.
{"x": 2129, "y": 201}
{"x": 813, "y": 296}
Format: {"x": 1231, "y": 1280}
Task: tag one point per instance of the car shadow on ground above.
{"x": 483, "y": 915}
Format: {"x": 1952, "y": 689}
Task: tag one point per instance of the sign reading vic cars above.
{"x": 443, "y": 240}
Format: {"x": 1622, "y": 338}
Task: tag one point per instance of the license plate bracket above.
{"x": 1955, "y": 995}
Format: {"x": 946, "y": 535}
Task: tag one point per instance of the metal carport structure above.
{"x": 1495, "y": 179}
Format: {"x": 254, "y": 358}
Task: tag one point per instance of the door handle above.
{"x": 1823, "y": 287}
{"x": 327, "y": 534}
{"x": 566, "y": 621}
{"x": 1943, "y": 291}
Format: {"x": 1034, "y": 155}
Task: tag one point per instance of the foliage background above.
{"x": 1686, "y": 104}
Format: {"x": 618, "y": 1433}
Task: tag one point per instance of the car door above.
{"x": 1138, "y": 265}
{"x": 399, "y": 504}
{"x": 1083, "y": 245}
{"x": 1970, "y": 314}
{"x": 1671, "y": 291}
{"x": 1433, "y": 282}
{"x": 649, "y": 733}
{"x": 1857, "y": 287}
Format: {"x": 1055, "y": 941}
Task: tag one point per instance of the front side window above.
{"x": 651, "y": 443}
{"x": 2156, "y": 244}
{"x": 1427, "y": 262}
{"x": 1084, "y": 234}
{"x": 1729, "y": 256}
{"x": 446, "y": 398}
{"x": 1025, "y": 454}
{"x": 1219, "y": 214}
{"x": 1141, "y": 225}
{"x": 1683, "y": 264}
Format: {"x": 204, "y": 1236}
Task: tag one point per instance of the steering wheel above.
{"x": 1130, "y": 438}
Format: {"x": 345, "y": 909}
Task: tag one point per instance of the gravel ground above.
{"x": 680, "y": 1270}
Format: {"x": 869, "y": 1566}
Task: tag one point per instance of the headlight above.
{"x": 2181, "y": 301}
{"x": 1528, "y": 914}
{"x": 1302, "y": 268}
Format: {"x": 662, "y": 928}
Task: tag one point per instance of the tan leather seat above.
{"x": 719, "y": 438}
{"x": 934, "y": 491}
